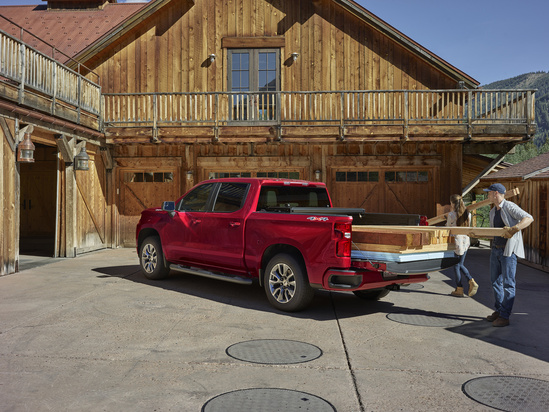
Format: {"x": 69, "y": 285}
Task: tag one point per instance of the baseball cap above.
{"x": 496, "y": 187}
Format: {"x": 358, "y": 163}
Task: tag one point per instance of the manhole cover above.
{"x": 424, "y": 320}
{"x": 267, "y": 400}
{"x": 509, "y": 393}
{"x": 274, "y": 351}
{"x": 412, "y": 286}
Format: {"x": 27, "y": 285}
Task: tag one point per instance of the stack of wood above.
{"x": 417, "y": 239}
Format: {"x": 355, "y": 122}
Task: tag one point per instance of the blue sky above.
{"x": 489, "y": 40}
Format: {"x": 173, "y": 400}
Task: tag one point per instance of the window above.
{"x": 291, "y": 196}
{"x": 148, "y": 177}
{"x": 267, "y": 174}
{"x": 254, "y": 77}
{"x": 361, "y": 176}
{"x": 230, "y": 197}
{"x": 409, "y": 176}
{"x": 197, "y": 199}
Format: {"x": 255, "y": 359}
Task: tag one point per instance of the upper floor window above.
{"x": 254, "y": 77}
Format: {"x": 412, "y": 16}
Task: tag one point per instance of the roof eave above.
{"x": 408, "y": 43}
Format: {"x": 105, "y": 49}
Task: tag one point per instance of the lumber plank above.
{"x": 398, "y": 249}
{"x": 471, "y": 207}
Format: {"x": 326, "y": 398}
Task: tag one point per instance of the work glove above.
{"x": 510, "y": 231}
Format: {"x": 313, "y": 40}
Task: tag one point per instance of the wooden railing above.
{"x": 33, "y": 79}
{"x": 343, "y": 108}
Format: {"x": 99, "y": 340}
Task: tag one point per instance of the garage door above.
{"x": 384, "y": 190}
{"x": 141, "y": 189}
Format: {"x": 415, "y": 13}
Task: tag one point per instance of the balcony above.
{"x": 365, "y": 115}
{"x": 30, "y": 79}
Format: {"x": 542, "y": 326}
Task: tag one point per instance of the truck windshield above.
{"x": 275, "y": 197}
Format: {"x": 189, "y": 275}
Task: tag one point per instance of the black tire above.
{"x": 286, "y": 284}
{"x": 151, "y": 259}
{"x": 373, "y": 294}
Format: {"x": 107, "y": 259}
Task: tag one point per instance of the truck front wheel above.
{"x": 286, "y": 284}
{"x": 373, "y": 294}
{"x": 151, "y": 259}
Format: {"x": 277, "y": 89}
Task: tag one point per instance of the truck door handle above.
{"x": 196, "y": 221}
{"x": 234, "y": 224}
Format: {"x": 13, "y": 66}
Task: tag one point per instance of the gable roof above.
{"x": 534, "y": 168}
{"x": 85, "y": 32}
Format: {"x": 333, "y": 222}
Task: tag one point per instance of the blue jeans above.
{"x": 460, "y": 267}
{"x": 502, "y": 275}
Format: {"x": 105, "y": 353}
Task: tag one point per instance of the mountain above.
{"x": 539, "y": 81}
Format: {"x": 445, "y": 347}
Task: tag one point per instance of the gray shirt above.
{"x": 511, "y": 214}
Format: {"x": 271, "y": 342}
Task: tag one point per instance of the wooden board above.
{"x": 410, "y": 239}
{"x": 471, "y": 207}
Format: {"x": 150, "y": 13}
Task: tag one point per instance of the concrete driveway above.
{"x": 92, "y": 334}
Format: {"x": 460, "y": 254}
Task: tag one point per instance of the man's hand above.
{"x": 510, "y": 231}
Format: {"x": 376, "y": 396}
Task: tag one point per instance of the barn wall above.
{"x": 534, "y": 198}
{"x": 179, "y": 167}
{"x": 337, "y": 51}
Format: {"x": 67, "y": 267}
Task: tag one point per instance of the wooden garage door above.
{"x": 384, "y": 190}
{"x": 142, "y": 189}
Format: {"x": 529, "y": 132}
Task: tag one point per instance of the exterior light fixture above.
{"x": 82, "y": 160}
{"x": 295, "y": 56}
{"x": 189, "y": 174}
{"x": 25, "y": 150}
{"x": 211, "y": 57}
{"x": 317, "y": 175}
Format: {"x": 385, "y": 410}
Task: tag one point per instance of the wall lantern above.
{"x": 189, "y": 174}
{"x": 82, "y": 160}
{"x": 295, "y": 56}
{"x": 317, "y": 175}
{"x": 25, "y": 150}
{"x": 211, "y": 58}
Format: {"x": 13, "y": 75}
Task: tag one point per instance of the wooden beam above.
{"x": 64, "y": 148}
{"x": 442, "y": 218}
{"x": 7, "y": 133}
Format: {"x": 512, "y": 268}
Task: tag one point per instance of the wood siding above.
{"x": 169, "y": 52}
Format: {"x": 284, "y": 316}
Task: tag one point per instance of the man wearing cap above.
{"x": 504, "y": 251}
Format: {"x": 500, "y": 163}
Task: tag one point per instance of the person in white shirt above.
{"x": 504, "y": 252}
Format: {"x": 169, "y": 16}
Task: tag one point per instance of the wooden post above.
{"x": 71, "y": 193}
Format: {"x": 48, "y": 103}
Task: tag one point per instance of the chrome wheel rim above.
{"x": 282, "y": 283}
{"x": 149, "y": 258}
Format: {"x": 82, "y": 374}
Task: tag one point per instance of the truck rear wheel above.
{"x": 286, "y": 284}
{"x": 373, "y": 294}
{"x": 151, "y": 259}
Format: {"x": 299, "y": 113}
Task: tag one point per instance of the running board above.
{"x": 211, "y": 275}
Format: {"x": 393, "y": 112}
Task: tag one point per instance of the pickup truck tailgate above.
{"x": 409, "y": 263}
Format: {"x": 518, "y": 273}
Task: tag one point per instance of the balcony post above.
{"x": 469, "y": 115}
{"x": 406, "y": 116}
{"x": 22, "y": 72}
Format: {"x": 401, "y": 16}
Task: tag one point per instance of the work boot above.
{"x": 473, "y": 287}
{"x": 492, "y": 317}
{"x": 458, "y": 292}
{"x": 500, "y": 322}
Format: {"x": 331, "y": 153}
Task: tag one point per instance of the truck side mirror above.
{"x": 169, "y": 207}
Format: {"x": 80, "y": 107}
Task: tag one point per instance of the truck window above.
{"x": 230, "y": 197}
{"x": 272, "y": 197}
{"x": 197, "y": 199}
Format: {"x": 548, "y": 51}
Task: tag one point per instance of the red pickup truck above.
{"x": 285, "y": 234}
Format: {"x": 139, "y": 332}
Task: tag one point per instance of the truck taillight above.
{"x": 343, "y": 239}
{"x": 423, "y": 221}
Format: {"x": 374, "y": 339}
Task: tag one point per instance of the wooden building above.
{"x": 168, "y": 93}
{"x": 531, "y": 177}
